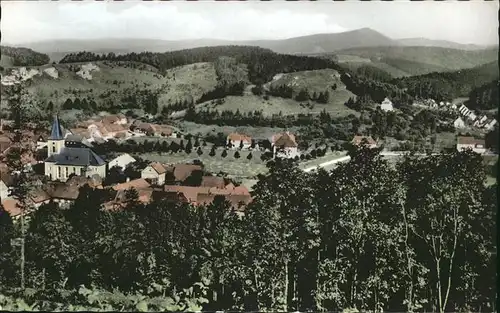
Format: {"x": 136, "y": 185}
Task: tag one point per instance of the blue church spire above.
{"x": 56, "y": 133}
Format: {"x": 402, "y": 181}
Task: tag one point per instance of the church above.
{"x": 69, "y": 155}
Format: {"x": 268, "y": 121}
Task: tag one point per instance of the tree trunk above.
{"x": 22, "y": 249}
{"x": 286, "y": 287}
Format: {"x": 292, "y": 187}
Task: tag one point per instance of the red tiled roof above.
{"x": 357, "y": 140}
{"x": 139, "y": 183}
{"x": 11, "y": 205}
{"x": 204, "y": 195}
{"x": 278, "y": 136}
{"x": 158, "y": 167}
{"x": 212, "y": 181}
{"x": 470, "y": 141}
{"x": 183, "y": 171}
{"x": 239, "y": 137}
{"x": 286, "y": 140}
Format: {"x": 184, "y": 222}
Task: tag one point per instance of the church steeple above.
{"x": 56, "y": 133}
{"x": 55, "y": 143}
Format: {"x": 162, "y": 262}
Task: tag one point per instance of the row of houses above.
{"x": 284, "y": 145}
{"x": 478, "y": 121}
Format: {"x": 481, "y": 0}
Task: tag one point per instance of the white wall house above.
{"x": 4, "y": 190}
{"x": 386, "y": 105}
{"x": 459, "y": 123}
{"x": 284, "y": 145}
{"x": 491, "y": 124}
{"x": 121, "y": 161}
{"x": 236, "y": 139}
{"x": 476, "y": 145}
{"x": 155, "y": 172}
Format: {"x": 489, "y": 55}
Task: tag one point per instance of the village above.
{"x": 68, "y": 162}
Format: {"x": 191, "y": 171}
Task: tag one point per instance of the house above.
{"x": 138, "y": 184}
{"x": 235, "y": 140}
{"x": 365, "y": 141}
{"x": 386, "y": 105}
{"x": 118, "y": 119}
{"x": 6, "y": 181}
{"x": 472, "y": 116}
{"x": 155, "y": 172}
{"x": 238, "y": 197}
{"x": 213, "y": 181}
{"x": 476, "y": 145}
{"x": 121, "y": 161}
{"x": 480, "y": 121}
{"x": 70, "y": 156}
{"x": 490, "y": 124}
{"x": 464, "y": 110}
{"x": 459, "y": 123}
{"x": 41, "y": 142}
{"x": 143, "y": 128}
{"x": 11, "y": 206}
{"x": 5, "y": 143}
{"x": 284, "y": 145}
{"x": 183, "y": 171}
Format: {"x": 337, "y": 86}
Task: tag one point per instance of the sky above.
{"x": 466, "y": 22}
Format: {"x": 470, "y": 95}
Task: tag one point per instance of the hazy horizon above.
{"x": 460, "y": 22}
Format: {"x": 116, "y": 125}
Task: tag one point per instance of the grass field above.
{"x": 188, "y": 82}
{"x": 275, "y": 105}
{"x": 254, "y": 132}
{"x": 234, "y": 167}
{"x": 113, "y": 79}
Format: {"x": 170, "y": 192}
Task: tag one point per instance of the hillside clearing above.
{"x": 276, "y": 105}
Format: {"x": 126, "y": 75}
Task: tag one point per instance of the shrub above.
{"x": 224, "y": 153}
{"x": 249, "y": 156}
{"x": 236, "y": 155}
{"x": 199, "y": 151}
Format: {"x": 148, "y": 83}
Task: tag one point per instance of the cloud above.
{"x": 24, "y": 22}
{"x": 27, "y": 21}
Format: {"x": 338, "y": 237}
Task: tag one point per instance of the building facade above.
{"x": 70, "y": 156}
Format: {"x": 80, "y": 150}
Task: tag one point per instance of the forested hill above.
{"x": 23, "y": 56}
{"x": 449, "y": 85}
{"x": 484, "y": 97}
{"x": 263, "y": 64}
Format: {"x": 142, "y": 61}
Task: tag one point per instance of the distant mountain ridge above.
{"x": 310, "y": 44}
{"x": 424, "y": 42}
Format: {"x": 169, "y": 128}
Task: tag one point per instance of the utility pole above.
{"x": 22, "y": 248}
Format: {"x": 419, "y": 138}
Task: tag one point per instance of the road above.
{"x": 384, "y": 153}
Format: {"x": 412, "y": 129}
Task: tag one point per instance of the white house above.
{"x": 154, "y": 172}
{"x": 121, "y": 161}
{"x": 491, "y": 124}
{"x": 236, "y": 139}
{"x": 480, "y": 122}
{"x": 5, "y": 182}
{"x": 386, "y": 105}
{"x": 464, "y": 110}
{"x": 476, "y": 145}
{"x": 284, "y": 145}
{"x": 459, "y": 123}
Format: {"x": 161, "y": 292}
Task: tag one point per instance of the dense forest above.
{"x": 25, "y": 56}
{"x": 366, "y": 235}
{"x": 448, "y": 85}
{"x": 484, "y": 97}
{"x": 263, "y": 64}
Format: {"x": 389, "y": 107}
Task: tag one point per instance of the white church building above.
{"x": 68, "y": 155}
